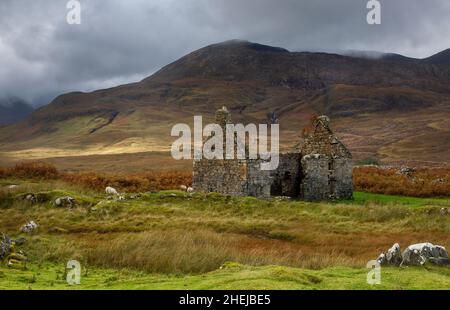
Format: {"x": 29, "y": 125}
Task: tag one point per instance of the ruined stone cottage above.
{"x": 321, "y": 169}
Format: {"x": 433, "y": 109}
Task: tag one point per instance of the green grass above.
{"x": 229, "y": 276}
{"x": 170, "y": 239}
{"x": 362, "y": 198}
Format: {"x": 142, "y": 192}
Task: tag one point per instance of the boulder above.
{"x": 30, "y": 198}
{"x": 183, "y": 187}
{"x": 392, "y": 257}
{"x": 66, "y": 202}
{"x": 421, "y": 253}
{"x": 29, "y": 227}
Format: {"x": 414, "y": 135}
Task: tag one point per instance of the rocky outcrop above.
{"x": 421, "y": 253}
{"x": 392, "y": 257}
{"x": 415, "y": 255}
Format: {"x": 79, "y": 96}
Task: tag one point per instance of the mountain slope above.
{"x": 386, "y": 108}
{"x": 13, "y": 110}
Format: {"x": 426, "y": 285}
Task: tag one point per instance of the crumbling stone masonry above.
{"x": 322, "y": 169}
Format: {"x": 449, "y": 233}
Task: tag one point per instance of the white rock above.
{"x": 29, "y": 227}
{"x": 190, "y": 190}
{"x": 183, "y": 187}
{"x": 392, "y": 257}
{"x": 419, "y": 254}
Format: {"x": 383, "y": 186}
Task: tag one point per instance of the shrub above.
{"x": 424, "y": 182}
{"x": 149, "y": 181}
{"x": 34, "y": 170}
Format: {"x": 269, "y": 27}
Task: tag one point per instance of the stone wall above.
{"x": 315, "y": 177}
{"x": 232, "y": 177}
{"x": 326, "y": 177}
{"x": 322, "y": 170}
{"x": 221, "y": 176}
{"x": 322, "y": 141}
{"x": 286, "y": 179}
{"x": 343, "y": 178}
{"x": 259, "y": 181}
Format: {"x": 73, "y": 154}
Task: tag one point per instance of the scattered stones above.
{"x": 66, "y": 202}
{"x": 282, "y": 198}
{"x": 116, "y": 198}
{"x": 15, "y": 259}
{"x": 392, "y": 257}
{"x": 5, "y": 246}
{"x": 439, "y": 181}
{"x": 407, "y": 171}
{"x": 31, "y": 198}
{"x": 135, "y": 196}
{"x": 415, "y": 255}
{"x": 29, "y": 227}
{"x": 111, "y": 191}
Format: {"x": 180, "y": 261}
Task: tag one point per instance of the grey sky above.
{"x": 123, "y": 41}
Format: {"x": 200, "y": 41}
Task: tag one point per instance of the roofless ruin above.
{"x": 320, "y": 170}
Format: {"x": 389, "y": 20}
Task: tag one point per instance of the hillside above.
{"x": 394, "y": 108}
{"x": 13, "y": 110}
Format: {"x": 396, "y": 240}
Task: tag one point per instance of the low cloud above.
{"x": 124, "y": 41}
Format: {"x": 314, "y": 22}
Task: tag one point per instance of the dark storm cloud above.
{"x": 124, "y": 41}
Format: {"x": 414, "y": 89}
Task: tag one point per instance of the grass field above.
{"x": 230, "y": 276}
{"x": 169, "y": 239}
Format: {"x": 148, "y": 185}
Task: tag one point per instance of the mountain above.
{"x": 442, "y": 58}
{"x": 393, "y": 108}
{"x": 13, "y": 110}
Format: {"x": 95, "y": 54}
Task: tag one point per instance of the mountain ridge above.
{"x": 374, "y": 103}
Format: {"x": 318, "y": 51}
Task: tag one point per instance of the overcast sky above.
{"x": 122, "y": 41}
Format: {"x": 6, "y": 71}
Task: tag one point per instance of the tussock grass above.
{"x": 172, "y": 232}
{"x": 424, "y": 182}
